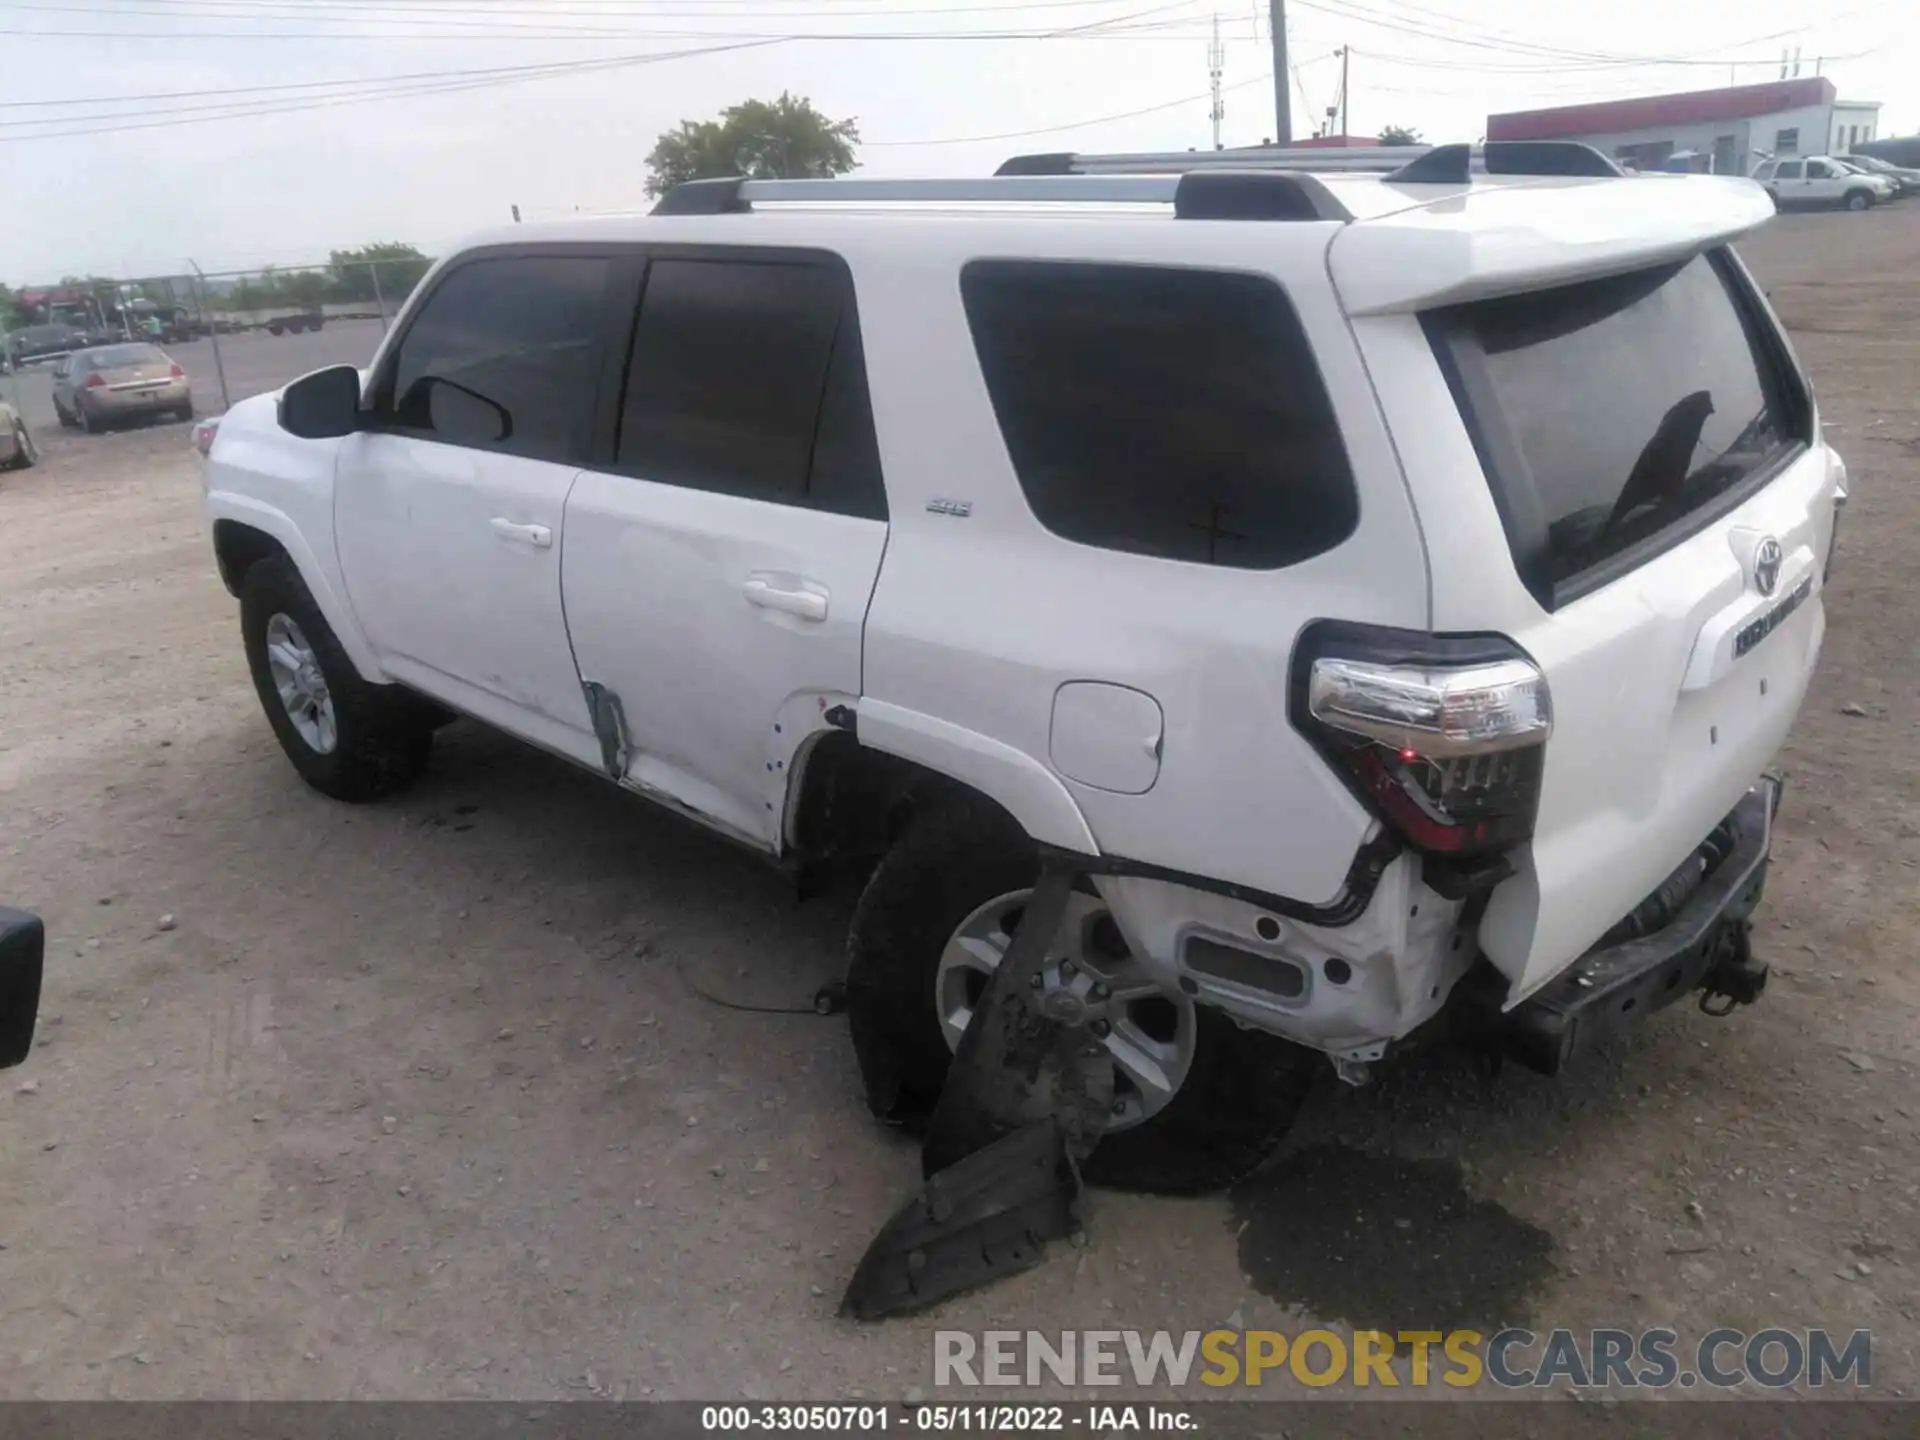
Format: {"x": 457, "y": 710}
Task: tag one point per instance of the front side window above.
{"x": 504, "y": 356}
{"x": 1614, "y": 416}
{"x": 1819, "y": 170}
{"x": 1165, "y": 412}
{"x": 747, "y": 378}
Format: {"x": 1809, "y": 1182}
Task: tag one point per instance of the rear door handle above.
{"x": 807, "y": 604}
{"x": 539, "y": 537}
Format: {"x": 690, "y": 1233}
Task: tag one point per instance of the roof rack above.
{"x": 1268, "y": 182}
{"x": 1401, "y": 164}
{"x": 1381, "y": 158}
{"x": 1211, "y": 194}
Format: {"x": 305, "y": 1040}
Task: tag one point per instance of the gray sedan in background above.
{"x": 111, "y": 384}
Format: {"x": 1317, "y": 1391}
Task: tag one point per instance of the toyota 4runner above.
{"x": 1388, "y": 589}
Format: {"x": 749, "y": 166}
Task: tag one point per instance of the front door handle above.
{"x": 807, "y": 604}
{"x": 537, "y": 536}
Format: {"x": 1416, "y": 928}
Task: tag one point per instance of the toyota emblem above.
{"x": 1766, "y": 565}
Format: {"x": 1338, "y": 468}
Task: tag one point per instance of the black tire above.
{"x": 185, "y": 412}
{"x": 25, "y": 457}
{"x": 1242, "y": 1091}
{"x": 84, "y": 419}
{"x": 67, "y": 422}
{"x": 275, "y": 329}
{"x": 382, "y": 743}
{"x": 1859, "y": 200}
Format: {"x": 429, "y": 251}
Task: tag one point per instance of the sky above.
{"x": 137, "y": 136}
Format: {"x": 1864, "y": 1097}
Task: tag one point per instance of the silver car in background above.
{"x": 111, "y": 384}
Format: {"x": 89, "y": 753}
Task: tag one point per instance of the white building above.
{"x": 1726, "y": 131}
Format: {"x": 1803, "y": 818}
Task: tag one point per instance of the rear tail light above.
{"x": 1443, "y": 738}
{"x": 176, "y": 372}
{"x": 96, "y": 381}
{"x": 203, "y": 433}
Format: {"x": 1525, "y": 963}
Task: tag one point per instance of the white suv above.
{"x": 1823, "y": 180}
{"x": 1381, "y": 590}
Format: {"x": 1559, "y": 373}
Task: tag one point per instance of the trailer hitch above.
{"x": 1025, "y": 1100}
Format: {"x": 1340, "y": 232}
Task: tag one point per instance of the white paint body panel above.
{"x": 439, "y": 548}
{"x": 693, "y": 608}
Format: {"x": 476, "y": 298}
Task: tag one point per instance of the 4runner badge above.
{"x": 1766, "y": 565}
{"x": 959, "y": 509}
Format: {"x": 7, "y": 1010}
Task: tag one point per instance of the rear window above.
{"x": 109, "y": 357}
{"x": 1616, "y": 417}
{"x": 1173, "y": 413}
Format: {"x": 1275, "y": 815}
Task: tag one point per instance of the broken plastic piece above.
{"x": 1016, "y": 1065}
{"x": 987, "y": 1216}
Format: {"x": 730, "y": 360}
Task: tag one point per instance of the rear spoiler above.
{"x": 1500, "y": 240}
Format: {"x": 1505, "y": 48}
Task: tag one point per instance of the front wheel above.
{"x": 348, "y": 739}
{"x": 1859, "y": 200}
{"x": 1198, "y": 1102}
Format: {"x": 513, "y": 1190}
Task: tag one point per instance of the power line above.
{"x": 1072, "y": 124}
{"x": 265, "y": 108}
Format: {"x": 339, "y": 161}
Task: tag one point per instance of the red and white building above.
{"x": 1727, "y": 132}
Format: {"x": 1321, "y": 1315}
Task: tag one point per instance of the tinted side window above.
{"x": 747, "y": 378}
{"x": 1789, "y": 170}
{"x": 518, "y": 332}
{"x": 1175, "y": 413}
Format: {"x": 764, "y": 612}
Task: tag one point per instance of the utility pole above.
{"x": 1216, "y": 65}
{"x": 1346, "y": 54}
{"x": 1282, "y": 112}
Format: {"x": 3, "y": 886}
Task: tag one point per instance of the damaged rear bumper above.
{"x": 1700, "y": 944}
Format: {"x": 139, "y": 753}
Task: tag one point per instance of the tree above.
{"x": 351, "y": 271}
{"x": 9, "y": 312}
{"x": 1399, "y": 135}
{"x": 785, "y": 140}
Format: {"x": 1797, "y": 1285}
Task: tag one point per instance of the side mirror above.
{"x": 453, "y": 412}
{"x": 322, "y": 406}
{"x": 23, "y": 950}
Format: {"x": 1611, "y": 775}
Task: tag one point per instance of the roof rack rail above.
{"x": 1199, "y": 195}
{"x": 1456, "y": 164}
{"x": 1382, "y": 158}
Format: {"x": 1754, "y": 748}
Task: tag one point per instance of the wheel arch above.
{"x": 848, "y": 793}
{"x": 246, "y": 532}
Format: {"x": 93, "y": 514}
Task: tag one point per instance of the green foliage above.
{"x": 347, "y": 279}
{"x": 1399, "y": 135}
{"x": 786, "y": 139}
{"x": 9, "y": 314}
{"x": 352, "y": 275}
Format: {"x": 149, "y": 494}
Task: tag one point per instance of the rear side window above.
{"x": 1164, "y": 412}
{"x": 1789, "y": 170}
{"x": 519, "y": 333}
{"x": 1616, "y": 417}
{"x": 747, "y": 379}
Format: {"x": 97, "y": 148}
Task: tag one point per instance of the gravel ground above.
{"x": 420, "y": 1099}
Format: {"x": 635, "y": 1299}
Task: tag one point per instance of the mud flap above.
{"x": 1017, "y": 1065}
{"x": 1025, "y": 1099}
{"x": 984, "y": 1217}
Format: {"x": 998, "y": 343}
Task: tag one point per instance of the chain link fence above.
{"x": 48, "y": 321}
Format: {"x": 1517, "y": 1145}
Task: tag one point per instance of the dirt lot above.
{"x": 417, "y": 1100}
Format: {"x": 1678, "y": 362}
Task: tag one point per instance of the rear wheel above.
{"x": 1198, "y": 1102}
{"x": 184, "y": 412}
{"x": 348, "y": 739}
{"x": 88, "y": 423}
